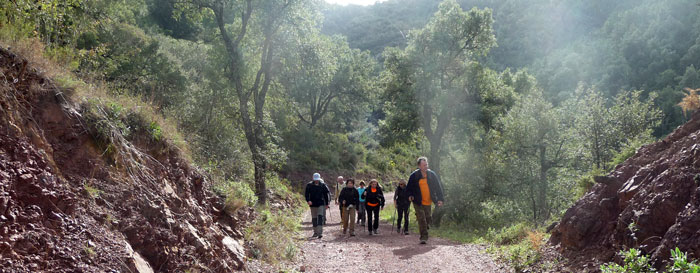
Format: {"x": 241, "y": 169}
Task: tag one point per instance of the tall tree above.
{"x": 439, "y": 55}
{"x": 532, "y": 145}
{"x": 604, "y": 130}
{"x": 250, "y": 33}
{"x": 323, "y": 75}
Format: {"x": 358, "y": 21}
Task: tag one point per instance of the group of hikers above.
{"x": 365, "y": 201}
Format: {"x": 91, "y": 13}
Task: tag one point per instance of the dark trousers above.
{"x": 424, "y": 218}
{"x": 403, "y": 214}
{"x": 372, "y": 211}
{"x": 361, "y": 213}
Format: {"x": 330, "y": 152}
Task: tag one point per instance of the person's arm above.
{"x": 380, "y": 194}
{"x": 343, "y": 200}
{"x": 356, "y": 199}
{"x": 307, "y": 194}
{"x": 326, "y": 196}
{"x": 409, "y": 187}
{"x": 441, "y": 194}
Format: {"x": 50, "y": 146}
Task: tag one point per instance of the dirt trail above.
{"x": 388, "y": 251}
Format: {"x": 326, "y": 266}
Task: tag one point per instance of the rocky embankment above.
{"x": 651, "y": 202}
{"x": 65, "y": 208}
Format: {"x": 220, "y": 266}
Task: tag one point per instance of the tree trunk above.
{"x": 434, "y": 157}
{"x": 252, "y": 128}
{"x": 260, "y": 187}
{"x": 542, "y": 191}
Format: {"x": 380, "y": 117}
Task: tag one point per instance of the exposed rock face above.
{"x": 63, "y": 208}
{"x": 651, "y": 201}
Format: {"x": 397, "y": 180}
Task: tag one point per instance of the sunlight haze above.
{"x": 353, "y": 2}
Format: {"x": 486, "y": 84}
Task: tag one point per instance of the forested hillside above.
{"x": 519, "y": 105}
{"x": 613, "y": 45}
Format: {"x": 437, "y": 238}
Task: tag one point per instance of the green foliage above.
{"x": 238, "y": 195}
{"x": 131, "y": 63}
{"x": 604, "y": 130}
{"x": 328, "y": 81}
{"x": 508, "y": 235}
{"x": 634, "y": 262}
{"x": 313, "y": 150}
{"x": 91, "y": 191}
{"x": 681, "y": 262}
{"x": 273, "y": 234}
{"x": 629, "y": 149}
{"x": 585, "y": 182}
{"x": 519, "y": 245}
{"x": 175, "y": 22}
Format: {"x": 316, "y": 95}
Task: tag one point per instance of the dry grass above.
{"x": 536, "y": 239}
{"x": 80, "y": 91}
{"x": 691, "y": 101}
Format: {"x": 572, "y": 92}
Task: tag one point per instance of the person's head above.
{"x": 402, "y": 183}
{"x": 422, "y": 163}
{"x": 373, "y": 183}
{"x": 350, "y": 183}
{"x": 339, "y": 179}
{"x": 317, "y": 177}
{"x": 362, "y": 184}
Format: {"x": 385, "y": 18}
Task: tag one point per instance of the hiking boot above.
{"x": 376, "y": 232}
{"x": 320, "y": 236}
{"x": 422, "y": 242}
{"x": 345, "y": 231}
{"x": 315, "y": 235}
{"x": 405, "y": 232}
{"x": 352, "y": 234}
{"x": 398, "y": 230}
{"x": 370, "y": 233}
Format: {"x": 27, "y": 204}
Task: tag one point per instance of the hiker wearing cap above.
{"x": 349, "y": 200}
{"x": 317, "y": 196}
{"x": 402, "y": 206}
{"x": 374, "y": 202}
{"x": 338, "y": 187}
{"x": 424, "y": 189}
{"x": 361, "y": 209}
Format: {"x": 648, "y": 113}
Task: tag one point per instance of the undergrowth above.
{"x": 634, "y": 261}
{"x": 273, "y": 236}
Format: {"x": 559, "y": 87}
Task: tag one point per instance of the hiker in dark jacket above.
{"x": 374, "y": 202}
{"x": 318, "y": 197}
{"x": 349, "y": 200}
{"x": 402, "y": 206}
{"x": 424, "y": 189}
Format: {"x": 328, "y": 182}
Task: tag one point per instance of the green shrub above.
{"x": 681, "y": 263}
{"x": 272, "y": 235}
{"x": 508, "y": 235}
{"x": 586, "y": 182}
{"x": 238, "y": 195}
{"x": 629, "y": 149}
{"x": 634, "y": 262}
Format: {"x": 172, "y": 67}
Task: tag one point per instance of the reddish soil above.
{"x": 65, "y": 208}
{"x": 650, "y": 202}
{"x": 388, "y": 251}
